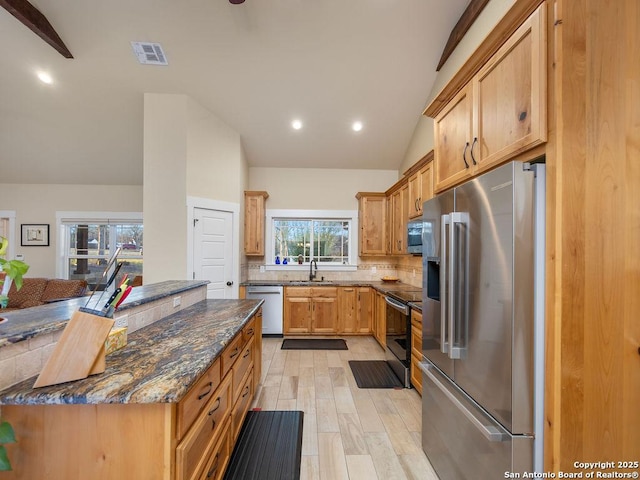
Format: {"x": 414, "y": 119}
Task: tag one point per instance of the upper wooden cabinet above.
{"x": 420, "y": 185}
{"x": 254, "y": 215}
{"x": 500, "y": 113}
{"x": 398, "y": 198}
{"x": 372, "y": 220}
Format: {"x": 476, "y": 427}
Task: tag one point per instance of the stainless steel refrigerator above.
{"x": 483, "y": 325}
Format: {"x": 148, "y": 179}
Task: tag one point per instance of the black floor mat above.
{"x": 314, "y": 344}
{"x": 374, "y": 374}
{"x": 269, "y": 447}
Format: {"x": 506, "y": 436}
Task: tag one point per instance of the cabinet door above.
{"x": 380, "y": 320}
{"x": 415, "y": 192}
{"x": 372, "y": 220}
{"x": 426, "y": 184}
{"x": 347, "y": 320}
{"x": 325, "y": 315}
{"x": 364, "y": 312}
{"x": 510, "y": 96}
{"x": 297, "y": 315}
{"x": 395, "y": 211}
{"x": 254, "y": 214}
{"x": 453, "y": 130}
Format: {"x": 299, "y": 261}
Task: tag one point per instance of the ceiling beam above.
{"x": 464, "y": 23}
{"x": 37, "y": 22}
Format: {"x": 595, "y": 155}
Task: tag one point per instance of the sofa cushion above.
{"x": 58, "y": 289}
{"x": 32, "y": 289}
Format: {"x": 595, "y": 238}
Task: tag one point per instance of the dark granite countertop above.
{"x": 159, "y": 363}
{"x": 416, "y": 306}
{"x": 30, "y": 322}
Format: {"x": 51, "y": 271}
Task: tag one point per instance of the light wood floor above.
{"x": 349, "y": 433}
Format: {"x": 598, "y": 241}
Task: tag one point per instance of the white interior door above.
{"x": 213, "y": 251}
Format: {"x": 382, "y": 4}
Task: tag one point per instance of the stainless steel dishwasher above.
{"x": 271, "y": 308}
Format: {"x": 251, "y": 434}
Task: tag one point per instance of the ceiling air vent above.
{"x": 149, "y": 53}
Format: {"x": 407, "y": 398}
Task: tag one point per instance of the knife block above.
{"x": 79, "y": 352}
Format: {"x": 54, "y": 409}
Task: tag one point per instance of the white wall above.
{"x": 318, "y": 188}
{"x": 422, "y": 140}
{"x": 188, "y": 152}
{"x": 39, "y": 204}
{"x": 165, "y": 187}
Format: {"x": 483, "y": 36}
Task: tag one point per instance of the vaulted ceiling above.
{"x": 257, "y": 66}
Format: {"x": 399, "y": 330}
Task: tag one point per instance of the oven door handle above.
{"x": 397, "y": 305}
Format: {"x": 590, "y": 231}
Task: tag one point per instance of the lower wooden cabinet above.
{"x": 310, "y": 310}
{"x": 355, "y": 310}
{"x": 220, "y": 455}
{"x": 416, "y": 350}
{"x": 380, "y": 319}
{"x": 194, "y": 449}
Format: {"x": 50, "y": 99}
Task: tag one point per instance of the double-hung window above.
{"x": 296, "y": 237}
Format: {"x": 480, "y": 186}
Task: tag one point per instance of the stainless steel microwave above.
{"x": 414, "y": 237}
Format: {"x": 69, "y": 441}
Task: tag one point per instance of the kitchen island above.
{"x": 169, "y": 405}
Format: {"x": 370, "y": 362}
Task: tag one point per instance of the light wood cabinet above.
{"x": 500, "y": 113}
{"x": 355, "y": 310}
{"x": 310, "y": 310}
{"x": 416, "y": 349}
{"x": 380, "y": 319}
{"x": 398, "y": 216}
{"x": 420, "y": 186}
{"x": 372, "y": 223}
{"x": 254, "y": 218}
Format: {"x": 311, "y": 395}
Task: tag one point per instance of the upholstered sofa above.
{"x": 39, "y": 291}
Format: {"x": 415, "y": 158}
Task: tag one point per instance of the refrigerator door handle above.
{"x": 457, "y": 290}
{"x": 444, "y": 292}
{"x": 490, "y": 432}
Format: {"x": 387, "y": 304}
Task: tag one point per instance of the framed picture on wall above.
{"x": 34, "y": 235}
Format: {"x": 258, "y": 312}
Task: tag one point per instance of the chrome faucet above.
{"x": 312, "y": 275}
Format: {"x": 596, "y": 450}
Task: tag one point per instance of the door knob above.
{"x": 229, "y": 284}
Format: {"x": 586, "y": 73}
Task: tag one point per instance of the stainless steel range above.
{"x": 398, "y": 332}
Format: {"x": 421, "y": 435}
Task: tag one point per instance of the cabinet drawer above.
{"x": 241, "y": 367}
{"x": 197, "y": 398}
{"x": 416, "y": 341}
{"x": 297, "y": 291}
{"x": 191, "y": 453}
{"x": 324, "y": 292}
{"x": 249, "y": 331}
{"x": 219, "y": 456}
{"x": 242, "y": 405}
{"x": 231, "y": 354}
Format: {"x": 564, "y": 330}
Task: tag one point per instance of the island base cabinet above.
{"x": 100, "y": 442}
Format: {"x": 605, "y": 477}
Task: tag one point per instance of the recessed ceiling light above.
{"x": 357, "y": 126}
{"x": 45, "y": 78}
{"x": 296, "y": 124}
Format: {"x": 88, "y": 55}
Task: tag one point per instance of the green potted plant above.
{"x": 12, "y": 271}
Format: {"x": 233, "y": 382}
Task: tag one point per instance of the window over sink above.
{"x": 294, "y": 236}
